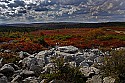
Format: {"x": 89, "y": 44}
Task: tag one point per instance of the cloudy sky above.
{"x": 12, "y": 11}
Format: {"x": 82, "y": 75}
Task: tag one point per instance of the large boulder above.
{"x": 28, "y": 61}
{"x": 58, "y": 53}
{"x": 7, "y": 70}
{"x": 45, "y": 53}
{"x": 68, "y": 49}
{"x": 42, "y": 57}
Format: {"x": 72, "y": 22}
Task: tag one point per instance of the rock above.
{"x": 7, "y": 51}
{"x": 68, "y": 49}
{"x": 26, "y": 73}
{"x": 23, "y": 54}
{"x": 95, "y": 79}
{"x": 1, "y": 50}
{"x": 89, "y": 62}
{"x": 57, "y": 81}
{"x": 28, "y": 61}
{"x": 41, "y": 58}
{"x": 36, "y": 68}
{"x": 108, "y": 80}
{"x": 3, "y": 79}
{"x": 72, "y": 64}
{"x": 30, "y": 80}
{"x": 7, "y": 70}
{"x": 49, "y": 68}
{"x": 69, "y": 58}
{"x": 87, "y": 71}
{"x": 17, "y": 79}
{"x": 97, "y": 71}
{"x": 79, "y": 59}
{"x": 14, "y": 66}
{"x": 1, "y": 62}
{"x": 98, "y": 59}
{"x": 45, "y": 53}
{"x": 58, "y": 53}
{"x": 83, "y": 64}
{"x": 43, "y": 81}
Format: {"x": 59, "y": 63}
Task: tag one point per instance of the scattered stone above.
{"x": 95, "y": 79}
{"x": 108, "y": 80}
{"x": 31, "y": 66}
{"x": 57, "y": 81}
{"x": 16, "y": 79}
{"x": 30, "y": 80}
{"x": 72, "y": 64}
{"x": 43, "y": 81}
{"x": 87, "y": 71}
{"x": 7, "y": 51}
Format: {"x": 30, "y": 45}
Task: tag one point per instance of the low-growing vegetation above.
{"x": 114, "y": 66}
{"x": 64, "y": 72}
{"x": 30, "y": 41}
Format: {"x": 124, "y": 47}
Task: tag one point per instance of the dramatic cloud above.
{"x": 62, "y": 10}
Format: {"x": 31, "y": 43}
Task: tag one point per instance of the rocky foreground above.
{"x": 30, "y": 67}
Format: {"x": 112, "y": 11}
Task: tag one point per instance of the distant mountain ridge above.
{"x": 57, "y": 25}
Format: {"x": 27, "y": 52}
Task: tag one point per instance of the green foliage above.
{"x": 109, "y": 37}
{"x": 120, "y": 37}
{"x": 65, "y": 72}
{"x": 61, "y": 37}
{"x": 114, "y": 66}
{"x": 105, "y": 37}
{"x": 41, "y": 40}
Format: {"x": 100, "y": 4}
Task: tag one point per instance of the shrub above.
{"x": 114, "y": 66}
{"x": 65, "y": 73}
{"x": 105, "y": 37}
{"x": 42, "y": 41}
{"x": 61, "y": 37}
